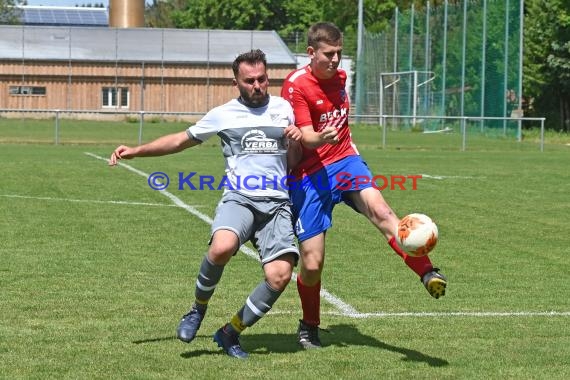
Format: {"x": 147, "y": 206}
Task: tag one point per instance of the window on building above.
{"x": 27, "y": 90}
{"x": 115, "y": 97}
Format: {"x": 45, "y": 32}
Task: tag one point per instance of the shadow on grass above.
{"x": 187, "y": 354}
{"x": 348, "y": 335}
{"x": 343, "y": 335}
{"x": 154, "y": 340}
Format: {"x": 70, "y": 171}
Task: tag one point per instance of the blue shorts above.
{"x": 315, "y": 196}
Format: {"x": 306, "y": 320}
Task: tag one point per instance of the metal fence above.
{"x": 64, "y": 126}
{"x": 479, "y": 125}
{"x": 462, "y": 59}
{"x": 89, "y": 126}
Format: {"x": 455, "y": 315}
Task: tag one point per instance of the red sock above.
{"x": 421, "y": 265}
{"x": 310, "y": 302}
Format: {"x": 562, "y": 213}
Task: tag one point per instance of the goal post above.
{"x": 406, "y": 93}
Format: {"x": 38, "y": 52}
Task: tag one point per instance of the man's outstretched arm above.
{"x": 162, "y": 146}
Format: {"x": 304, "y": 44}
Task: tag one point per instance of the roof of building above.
{"x": 138, "y": 44}
{"x": 63, "y": 16}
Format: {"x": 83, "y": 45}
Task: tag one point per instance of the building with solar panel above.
{"x": 57, "y": 62}
{"x": 64, "y": 16}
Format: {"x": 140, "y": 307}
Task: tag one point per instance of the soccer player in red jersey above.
{"x": 321, "y": 106}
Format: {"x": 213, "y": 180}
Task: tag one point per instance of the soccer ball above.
{"x": 417, "y": 234}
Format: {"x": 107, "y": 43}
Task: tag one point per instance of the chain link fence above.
{"x": 460, "y": 60}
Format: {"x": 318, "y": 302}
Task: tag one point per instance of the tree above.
{"x": 9, "y": 14}
{"x": 290, "y": 19}
{"x": 547, "y": 60}
{"x": 158, "y": 14}
{"x": 558, "y": 63}
{"x": 344, "y": 13}
{"x": 224, "y": 14}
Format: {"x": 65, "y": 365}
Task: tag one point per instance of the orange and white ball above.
{"x": 417, "y": 234}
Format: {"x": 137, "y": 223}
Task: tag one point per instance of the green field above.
{"x": 96, "y": 268}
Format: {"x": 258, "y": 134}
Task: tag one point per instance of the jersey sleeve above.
{"x": 205, "y": 128}
{"x": 299, "y": 103}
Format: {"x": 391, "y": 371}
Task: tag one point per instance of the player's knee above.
{"x": 310, "y": 276}
{"x": 311, "y": 263}
{"x": 279, "y": 282}
{"x": 220, "y": 254}
{"x": 278, "y": 278}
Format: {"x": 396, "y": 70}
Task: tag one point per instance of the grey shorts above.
{"x": 267, "y": 223}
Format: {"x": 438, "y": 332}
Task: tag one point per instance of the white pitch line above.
{"x": 440, "y": 177}
{"x": 467, "y": 314}
{"x": 345, "y": 308}
{"x": 87, "y": 200}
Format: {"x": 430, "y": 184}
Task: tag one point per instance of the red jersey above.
{"x": 319, "y": 103}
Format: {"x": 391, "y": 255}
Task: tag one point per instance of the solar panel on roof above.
{"x": 64, "y": 16}
{"x": 60, "y": 17}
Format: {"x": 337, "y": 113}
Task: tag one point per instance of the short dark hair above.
{"x": 323, "y": 32}
{"x": 252, "y": 57}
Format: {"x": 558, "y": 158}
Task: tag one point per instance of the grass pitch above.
{"x": 96, "y": 269}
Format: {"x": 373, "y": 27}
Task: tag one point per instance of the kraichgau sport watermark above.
{"x": 342, "y": 181}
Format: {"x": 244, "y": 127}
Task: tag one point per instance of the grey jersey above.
{"x": 253, "y": 145}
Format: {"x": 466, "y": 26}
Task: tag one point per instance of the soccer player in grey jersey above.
{"x": 259, "y": 142}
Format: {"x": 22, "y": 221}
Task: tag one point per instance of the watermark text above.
{"x": 342, "y": 181}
